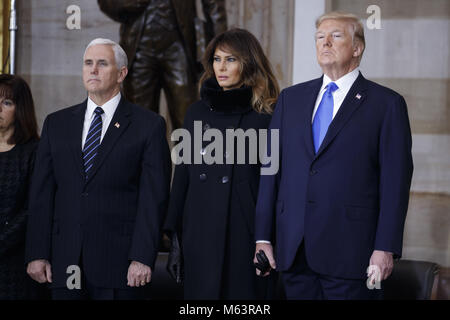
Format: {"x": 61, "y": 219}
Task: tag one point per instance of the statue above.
{"x": 161, "y": 39}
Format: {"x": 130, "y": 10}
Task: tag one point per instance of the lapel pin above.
{"x": 358, "y": 96}
{"x": 117, "y": 125}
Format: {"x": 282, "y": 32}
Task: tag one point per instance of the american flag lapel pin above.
{"x": 117, "y": 125}
{"x": 358, "y": 96}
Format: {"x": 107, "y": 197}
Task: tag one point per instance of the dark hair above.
{"x": 25, "y": 126}
{"x": 256, "y": 71}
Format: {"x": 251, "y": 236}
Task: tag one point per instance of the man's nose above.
{"x": 94, "y": 69}
{"x": 327, "y": 40}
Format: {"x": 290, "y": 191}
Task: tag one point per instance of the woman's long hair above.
{"x": 256, "y": 71}
{"x": 25, "y": 126}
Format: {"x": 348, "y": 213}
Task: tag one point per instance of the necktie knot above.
{"x": 332, "y": 87}
{"x": 98, "y": 111}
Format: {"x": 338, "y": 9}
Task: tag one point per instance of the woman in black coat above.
{"x": 212, "y": 204}
{"x": 18, "y": 142}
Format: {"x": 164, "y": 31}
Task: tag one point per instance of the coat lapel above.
{"x": 310, "y": 102}
{"x": 75, "y": 132}
{"x": 351, "y": 102}
{"x": 118, "y": 125}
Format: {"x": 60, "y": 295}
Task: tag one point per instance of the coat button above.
{"x": 312, "y": 172}
{"x": 203, "y": 177}
{"x": 6, "y": 222}
{"x": 84, "y": 194}
{"x": 225, "y": 179}
{"x": 206, "y": 126}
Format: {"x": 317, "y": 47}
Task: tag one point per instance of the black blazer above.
{"x": 115, "y": 215}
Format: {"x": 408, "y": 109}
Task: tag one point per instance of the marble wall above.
{"x": 49, "y": 55}
{"x": 272, "y": 22}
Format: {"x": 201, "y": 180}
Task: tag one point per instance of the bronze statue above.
{"x": 160, "y": 39}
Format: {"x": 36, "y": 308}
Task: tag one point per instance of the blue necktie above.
{"x": 324, "y": 115}
{"x": 92, "y": 141}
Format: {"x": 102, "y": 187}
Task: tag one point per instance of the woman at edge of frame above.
{"x": 18, "y": 142}
{"x": 212, "y": 207}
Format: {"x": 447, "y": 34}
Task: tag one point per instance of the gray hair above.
{"x": 119, "y": 54}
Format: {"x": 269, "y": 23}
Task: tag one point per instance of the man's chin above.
{"x": 326, "y": 62}
{"x": 92, "y": 89}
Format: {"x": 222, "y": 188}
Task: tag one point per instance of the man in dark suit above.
{"x": 164, "y": 41}
{"x": 339, "y": 200}
{"x": 100, "y": 188}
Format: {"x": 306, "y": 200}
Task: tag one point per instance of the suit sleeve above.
{"x": 178, "y": 192}
{"x": 41, "y": 201}
{"x": 180, "y": 185}
{"x": 153, "y": 197}
{"x": 121, "y": 10}
{"x": 396, "y": 168}
{"x": 268, "y": 184}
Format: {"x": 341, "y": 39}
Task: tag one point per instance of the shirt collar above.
{"x": 108, "y": 107}
{"x": 344, "y": 83}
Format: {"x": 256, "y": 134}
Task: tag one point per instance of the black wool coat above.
{"x": 212, "y": 206}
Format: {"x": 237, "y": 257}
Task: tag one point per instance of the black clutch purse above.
{"x": 263, "y": 263}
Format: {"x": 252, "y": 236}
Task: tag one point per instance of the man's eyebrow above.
{"x": 99, "y": 60}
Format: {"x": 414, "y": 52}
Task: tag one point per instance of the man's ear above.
{"x": 122, "y": 74}
{"x": 357, "y": 49}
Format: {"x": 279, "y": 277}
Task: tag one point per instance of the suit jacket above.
{"x": 130, "y": 13}
{"x": 115, "y": 215}
{"x": 352, "y": 196}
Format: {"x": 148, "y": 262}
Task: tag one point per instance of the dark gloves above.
{"x": 175, "y": 260}
{"x": 263, "y": 263}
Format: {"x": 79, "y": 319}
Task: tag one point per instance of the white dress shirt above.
{"x": 344, "y": 84}
{"x": 109, "y": 108}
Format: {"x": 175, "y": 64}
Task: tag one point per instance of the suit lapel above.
{"x": 118, "y": 125}
{"x": 310, "y": 102}
{"x": 351, "y": 102}
{"x": 75, "y": 132}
